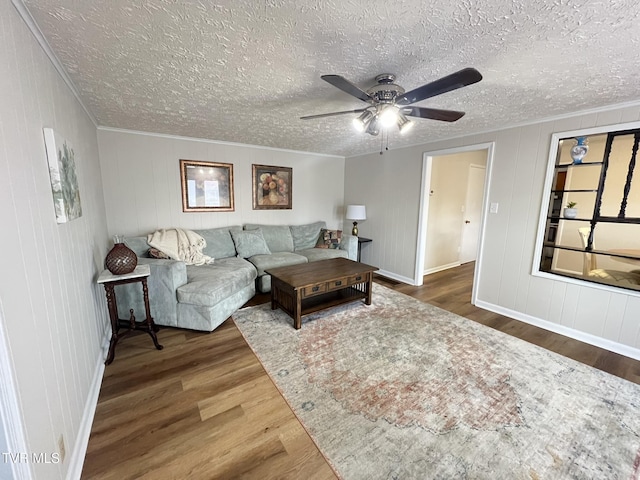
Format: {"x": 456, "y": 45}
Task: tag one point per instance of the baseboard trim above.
{"x": 431, "y": 270}
{"x": 395, "y": 276}
{"x": 610, "y": 345}
{"x": 76, "y": 461}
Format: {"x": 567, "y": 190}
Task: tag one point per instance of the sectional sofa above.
{"x": 202, "y": 297}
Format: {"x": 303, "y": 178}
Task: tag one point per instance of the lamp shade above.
{"x": 356, "y": 212}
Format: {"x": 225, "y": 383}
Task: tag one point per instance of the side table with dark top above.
{"x": 109, "y": 280}
{"x": 362, "y": 240}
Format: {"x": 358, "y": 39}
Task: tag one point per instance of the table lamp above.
{"x": 355, "y": 213}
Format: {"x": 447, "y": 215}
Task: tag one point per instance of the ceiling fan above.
{"x": 390, "y": 105}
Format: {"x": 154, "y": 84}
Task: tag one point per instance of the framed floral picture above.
{"x": 206, "y": 186}
{"x": 64, "y": 181}
{"x": 272, "y": 187}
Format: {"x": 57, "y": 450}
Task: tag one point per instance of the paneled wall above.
{"x": 142, "y": 183}
{"x": 53, "y": 313}
{"x": 505, "y": 283}
{"x": 389, "y": 186}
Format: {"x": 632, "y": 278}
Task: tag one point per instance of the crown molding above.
{"x": 552, "y": 118}
{"x": 217, "y": 142}
{"x": 35, "y": 31}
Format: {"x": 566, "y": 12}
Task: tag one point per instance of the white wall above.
{"x": 54, "y": 313}
{"x": 389, "y": 185}
{"x": 142, "y": 189}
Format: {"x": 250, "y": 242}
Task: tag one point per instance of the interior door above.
{"x": 472, "y": 214}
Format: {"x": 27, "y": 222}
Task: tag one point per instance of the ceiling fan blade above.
{"x": 322, "y": 115}
{"x": 347, "y": 87}
{"x": 462, "y": 78}
{"x": 433, "y": 113}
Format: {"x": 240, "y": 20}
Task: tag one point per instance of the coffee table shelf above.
{"x": 302, "y": 289}
{"x": 331, "y": 299}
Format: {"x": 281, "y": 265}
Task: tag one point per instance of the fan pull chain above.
{"x": 382, "y": 141}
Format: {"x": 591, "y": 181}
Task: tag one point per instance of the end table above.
{"x": 362, "y": 240}
{"x": 109, "y": 281}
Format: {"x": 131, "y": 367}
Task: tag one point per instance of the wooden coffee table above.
{"x": 302, "y": 289}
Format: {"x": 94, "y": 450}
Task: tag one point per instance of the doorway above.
{"x": 454, "y": 191}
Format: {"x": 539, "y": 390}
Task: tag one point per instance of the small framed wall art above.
{"x": 64, "y": 181}
{"x": 206, "y": 186}
{"x": 272, "y": 187}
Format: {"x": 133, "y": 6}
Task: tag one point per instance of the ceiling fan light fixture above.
{"x": 362, "y": 122}
{"x": 404, "y": 124}
{"x": 374, "y": 126}
{"x": 389, "y": 104}
{"x": 388, "y": 116}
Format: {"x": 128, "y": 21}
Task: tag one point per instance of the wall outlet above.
{"x": 493, "y": 208}
{"x": 61, "y": 448}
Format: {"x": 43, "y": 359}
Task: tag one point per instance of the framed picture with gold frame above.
{"x": 272, "y": 187}
{"x": 206, "y": 186}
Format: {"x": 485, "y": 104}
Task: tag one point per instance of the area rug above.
{"x": 401, "y": 389}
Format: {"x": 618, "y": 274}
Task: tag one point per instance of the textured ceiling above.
{"x": 245, "y": 71}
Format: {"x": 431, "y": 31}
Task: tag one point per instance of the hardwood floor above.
{"x": 201, "y": 408}
{"x": 204, "y": 407}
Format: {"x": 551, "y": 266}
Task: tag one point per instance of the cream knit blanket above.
{"x": 179, "y": 244}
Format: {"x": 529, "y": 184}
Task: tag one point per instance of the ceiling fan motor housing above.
{"x": 385, "y": 91}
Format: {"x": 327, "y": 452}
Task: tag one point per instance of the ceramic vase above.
{"x": 570, "y": 213}
{"x": 120, "y": 259}
{"x": 579, "y": 150}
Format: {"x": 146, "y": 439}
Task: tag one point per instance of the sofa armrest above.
{"x": 350, "y": 244}
{"x": 171, "y": 273}
{"x": 165, "y": 278}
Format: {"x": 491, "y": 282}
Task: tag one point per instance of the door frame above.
{"x": 423, "y": 213}
{"x": 10, "y": 413}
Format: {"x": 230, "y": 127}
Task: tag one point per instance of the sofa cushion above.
{"x": 306, "y": 236}
{"x": 329, "y": 238}
{"x": 138, "y": 245}
{"x": 207, "y": 318}
{"x": 211, "y": 284}
{"x": 278, "y": 237}
{"x": 249, "y": 243}
{"x": 219, "y": 242}
{"x": 315, "y": 254}
{"x": 280, "y": 259}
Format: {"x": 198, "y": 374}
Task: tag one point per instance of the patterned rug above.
{"x": 404, "y": 390}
